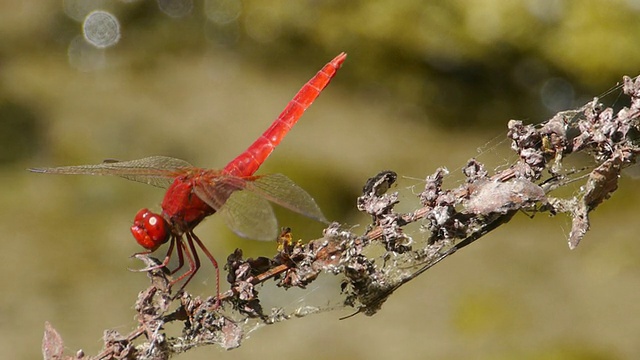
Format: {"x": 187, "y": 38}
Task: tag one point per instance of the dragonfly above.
{"x": 242, "y": 198}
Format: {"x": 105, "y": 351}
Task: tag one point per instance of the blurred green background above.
{"x": 426, "y": 84}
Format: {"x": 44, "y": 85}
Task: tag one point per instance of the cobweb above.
{"x": 567, "y": 165}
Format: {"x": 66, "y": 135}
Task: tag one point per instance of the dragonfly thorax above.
{"x": 181, "y": 207}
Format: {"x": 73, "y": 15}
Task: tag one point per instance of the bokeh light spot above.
{"x": 176, "y": 8}
{"x": 223, "y": 11}
{"x": 101, "y": 29}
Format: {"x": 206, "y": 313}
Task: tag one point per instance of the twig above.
{"x": 450, "y": 220}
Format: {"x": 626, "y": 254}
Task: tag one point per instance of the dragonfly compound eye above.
{"x": 150, "y": 230}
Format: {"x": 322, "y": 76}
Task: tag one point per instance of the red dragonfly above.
{"x": 195, "y": 193}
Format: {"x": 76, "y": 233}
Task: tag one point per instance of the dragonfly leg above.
{"x": 194, "y": 263}
{"x": 164, "y": 263}
{"x": 215, "y": 265}
{"x": 180, "y": 257}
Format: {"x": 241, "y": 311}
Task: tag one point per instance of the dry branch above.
{"x": 449, "y": 219}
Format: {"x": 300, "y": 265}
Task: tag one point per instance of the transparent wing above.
{"x": 245, "y": 213}
{"x": 244, "y": 202}
{"x": 154, "y": 170}
{"x": 250, "y": 216}
{"x": 280, "y": 190}
{"x": 216, "y": 190}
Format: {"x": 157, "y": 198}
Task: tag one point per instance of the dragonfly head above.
{"x": 150, "y": 230}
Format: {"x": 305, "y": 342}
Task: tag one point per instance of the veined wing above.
{"x": 215, "y": 190}
{"x": 250, "y": 216}
{"x": 280, "y": 190}
{"x": 276, "y": 188}
{"x": 245, "y": 212}
{"x": 244, "y": 202}
{"x": 154, "y": 170}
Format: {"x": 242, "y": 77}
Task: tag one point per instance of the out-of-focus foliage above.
{"x": 436, "y": 59}
{"x": 444, "y": 58}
